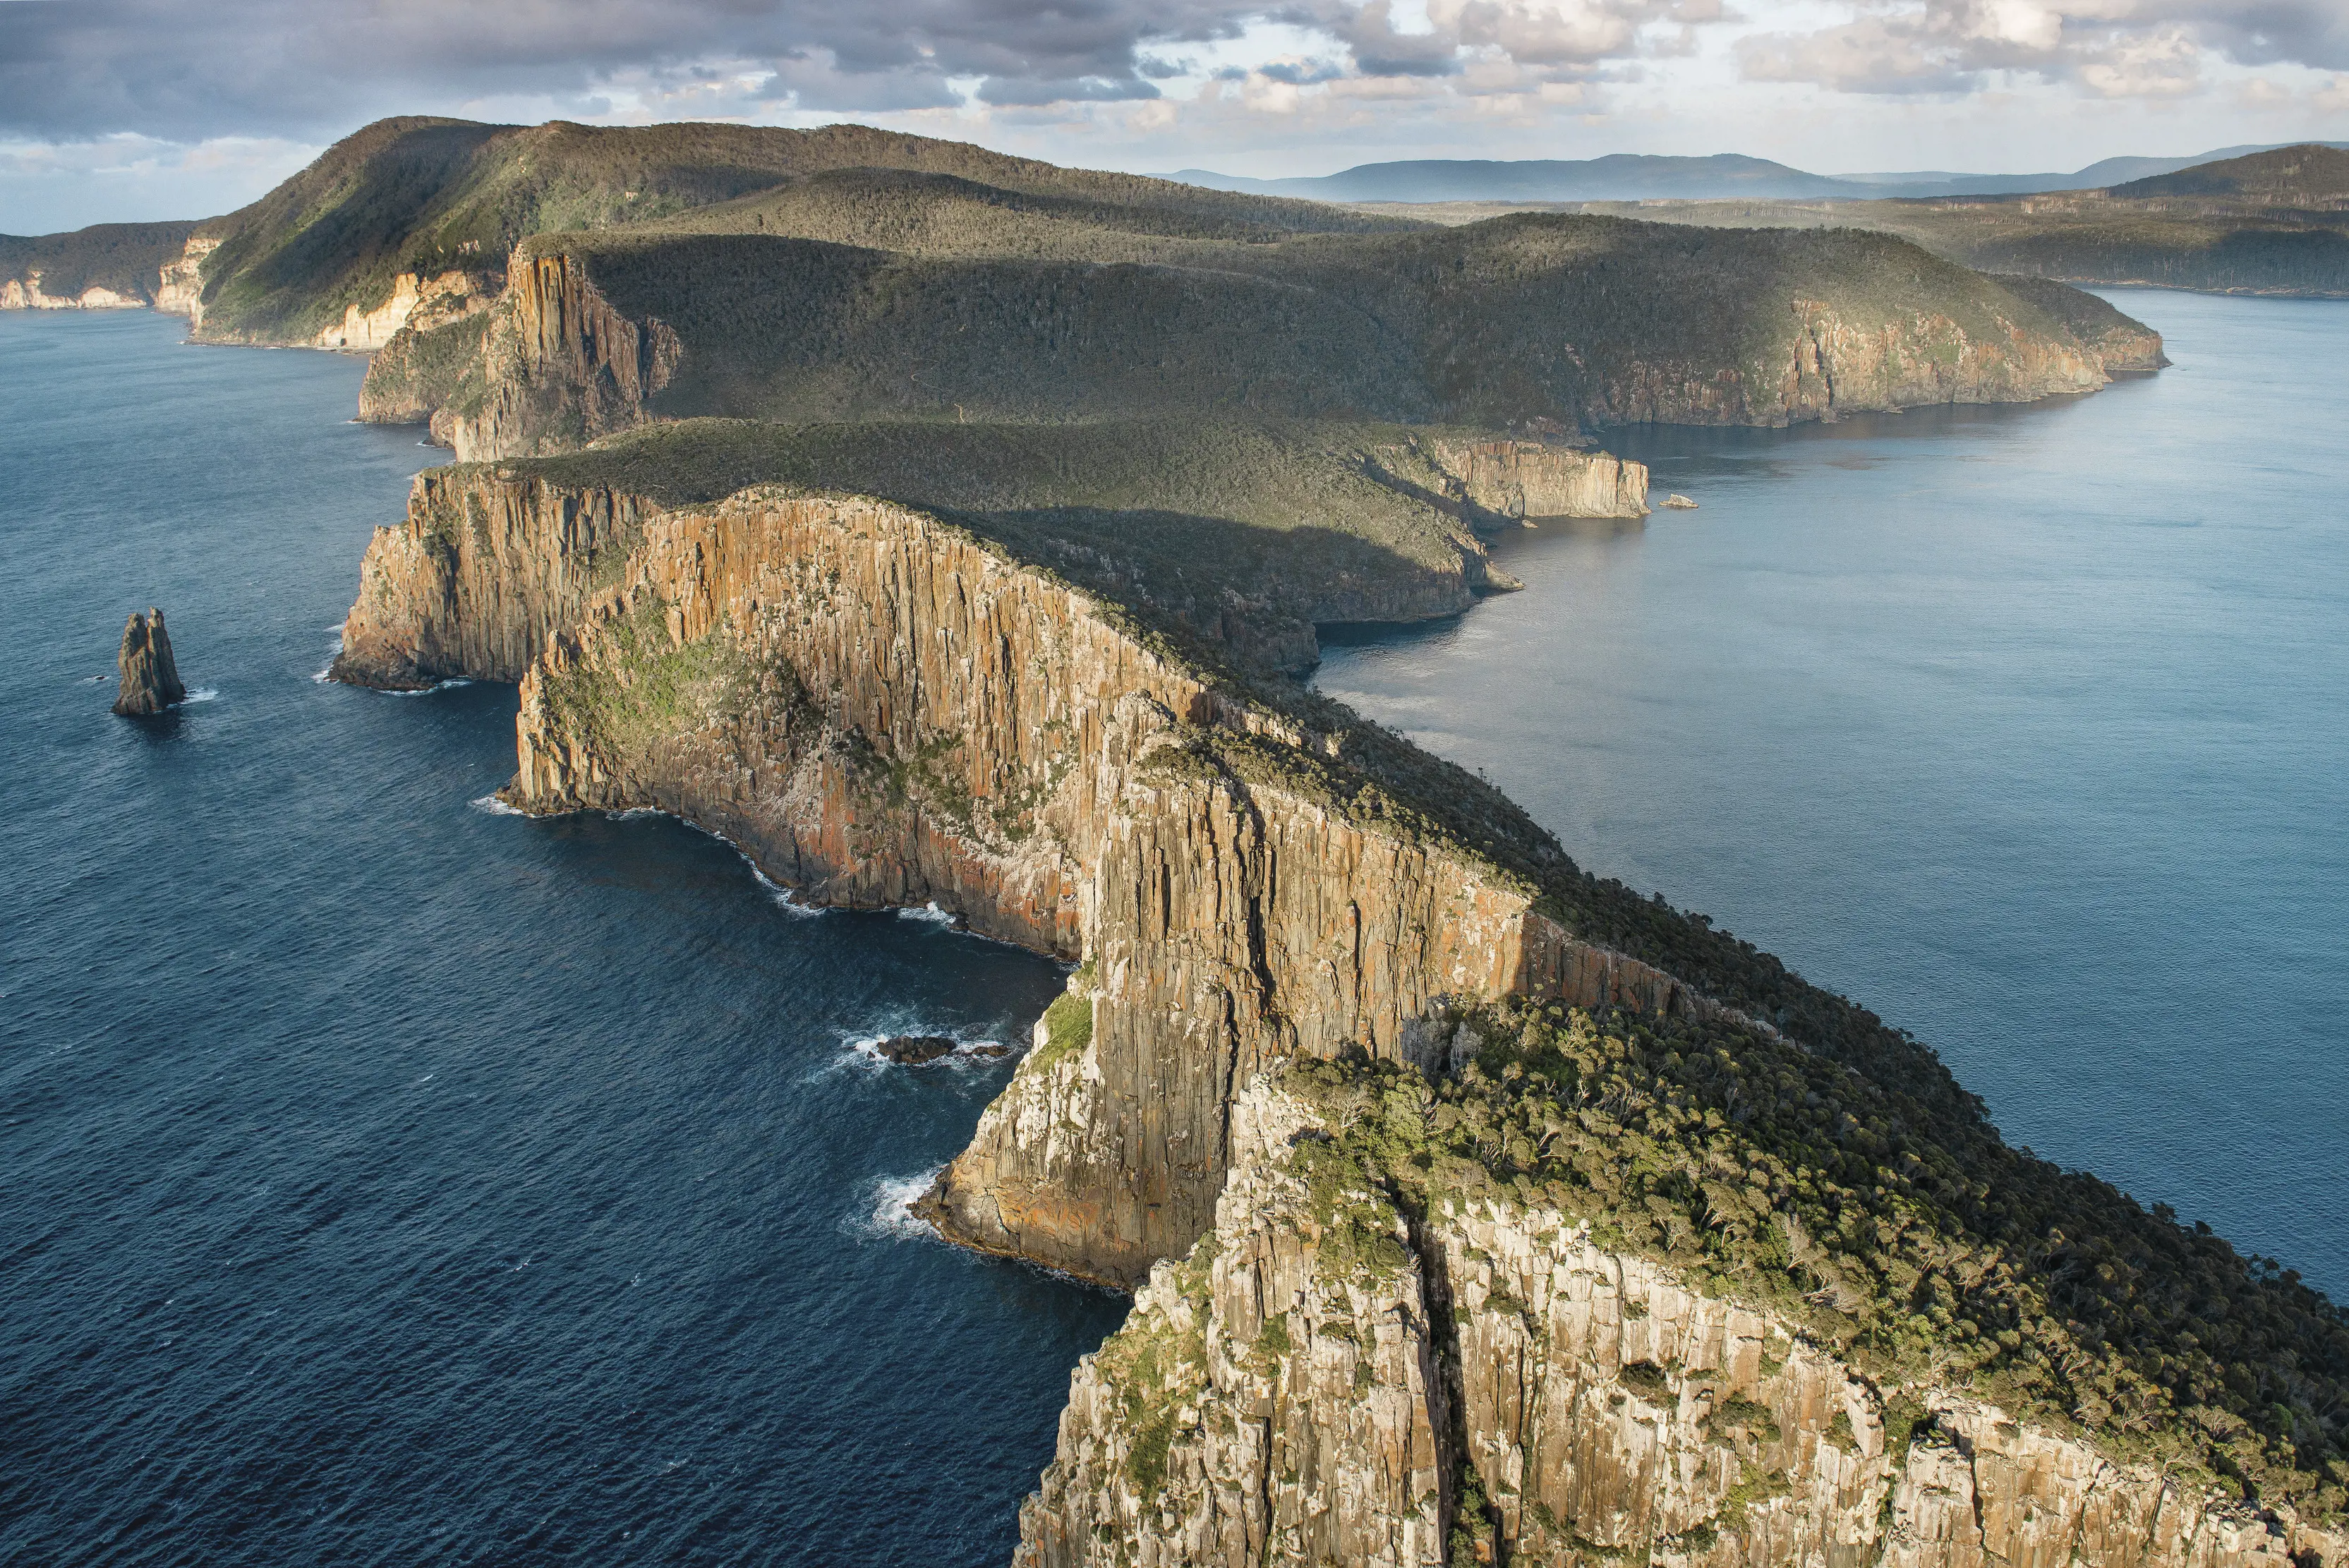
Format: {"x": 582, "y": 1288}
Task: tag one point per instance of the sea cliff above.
{"x": 1520, "y": 325}
{"x": 1345, "y": 1371}
{"x": 1479, "y": 1209}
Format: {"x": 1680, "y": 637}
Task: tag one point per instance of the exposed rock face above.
{"x": 885, "y": 707}
{"x": 26, "y": 294}
{"x": 1257, "y": 1407}
{"x": 180, "y": 286}
{"x": 1519, "y": 478}
{"x": 150, "y": 679}
{"x": 1326, "y": 1378}
{"x": 414, "y": 301}
{"x": 561, "y": 365}
{"x": 476, "y": 580}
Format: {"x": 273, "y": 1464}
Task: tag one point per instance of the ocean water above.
{"x": 386, "y": 1181}
{"x": 2027, "y": 727}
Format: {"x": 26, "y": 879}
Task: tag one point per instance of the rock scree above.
{"x": 150, "y": 679}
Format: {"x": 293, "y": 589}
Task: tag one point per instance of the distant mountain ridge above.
{"x": 1726, "y": 176}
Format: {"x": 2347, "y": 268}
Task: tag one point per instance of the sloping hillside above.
{"x": 427, "y": 197}
{"x": 998, "y": 312}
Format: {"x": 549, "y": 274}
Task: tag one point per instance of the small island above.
{"x": 151, "y": 677}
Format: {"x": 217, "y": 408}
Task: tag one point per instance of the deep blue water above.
{"x": 385, "y": 1180}
{"x": 2028, "y": 727}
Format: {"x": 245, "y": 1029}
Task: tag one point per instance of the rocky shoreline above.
{"x": 883, "y": 707}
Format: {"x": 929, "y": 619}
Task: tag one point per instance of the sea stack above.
{"x": 151, "y": 680}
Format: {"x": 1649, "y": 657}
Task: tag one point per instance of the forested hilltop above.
{"x": 848, "y": 273}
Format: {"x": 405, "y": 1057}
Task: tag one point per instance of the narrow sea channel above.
{"x": 2027, "y": 727}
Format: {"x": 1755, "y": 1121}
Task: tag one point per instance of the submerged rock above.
{"x": 913, "y": 1050}
{"x": 150, "y": 680}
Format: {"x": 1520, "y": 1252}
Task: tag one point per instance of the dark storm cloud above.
{"x": 302, "y": 67}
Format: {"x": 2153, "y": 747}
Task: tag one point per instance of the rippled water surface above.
{"x": 386, "y": 1181}
{"x": 2027, "y": 727}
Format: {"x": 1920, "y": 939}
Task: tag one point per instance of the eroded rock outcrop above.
{"x": 151, "y": 677}
{"x": 1746, "y": 1293}
{"x": 480, "y": 575}
{"x": 560, "y": 366}
{"x": 1338, "y": 1373}
{"x": 415, "y": 302}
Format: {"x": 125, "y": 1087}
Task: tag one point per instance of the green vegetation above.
{"x": 649, "y": 689}
{"x": 418, "y": 372}
{"x": 1900, "y": 1234}
{"x": 1068, "y": 1029}
{"x": 1527, "y": 321}
{"x": 1155, "y": 1364}
{"x": 124, "y": 257}
{"x": 1239, "y": 535}
{"x": 427, "y": 196}
{"x": 2272, "y": 223}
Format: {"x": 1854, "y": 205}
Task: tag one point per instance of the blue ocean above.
{"x": 2027, "y": 727}
{"x": 387, "y": 1180}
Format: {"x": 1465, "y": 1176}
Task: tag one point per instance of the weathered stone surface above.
{"x": 1521, "y": 479}
{"x": 1256, "y": 1407}
{"x": 563, "y": 365}
{"x": 416, "y": 301}
{"x": 151, "y": 677}
{"x": 476, "y": 580}
{"x": 913, "y": 1050}
{"x": 885, "y": 709}
{"x": 1606, "y": 1412}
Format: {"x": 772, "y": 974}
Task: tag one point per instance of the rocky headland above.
{"x": 948, "y": 529}
{"x": 151, "y": 677}
{"x": 1478, "y": 1210}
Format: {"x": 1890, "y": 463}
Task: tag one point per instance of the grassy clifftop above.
{"x": 1242, "y": 536}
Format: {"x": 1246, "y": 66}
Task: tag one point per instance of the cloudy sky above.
{"x": 115, "y": 109}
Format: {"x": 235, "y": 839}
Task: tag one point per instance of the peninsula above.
{"x": 944, "y": 529}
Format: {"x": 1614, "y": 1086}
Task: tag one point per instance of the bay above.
{"x": 2027, "y": 727}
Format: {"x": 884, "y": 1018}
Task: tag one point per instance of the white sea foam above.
{"x": 930, "y": 913}
{"x": 881, "y": 1213}
{"x": 200, "y": 694}
{"x": 495, "y": 808}
{"x": 448, "y": 685}
{"x": 781, "y": 897}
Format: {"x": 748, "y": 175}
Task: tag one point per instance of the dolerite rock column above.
{"x": 151, "y": 680}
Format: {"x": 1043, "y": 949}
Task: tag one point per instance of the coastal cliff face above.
{"x": 26, "y": 293}
{"x": 418, "y": 302}
{"x": 882, "y": 708}
{"x": 560, "y": 366}
{"x": 1331, "y": 1376}
{"x": 1829, "y": 366}
{"x": 476, "y": 580}
{"x": 1649, "y": 1278}
{"x": 1515, "y": 480}
{"x": 180, "y": 282}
